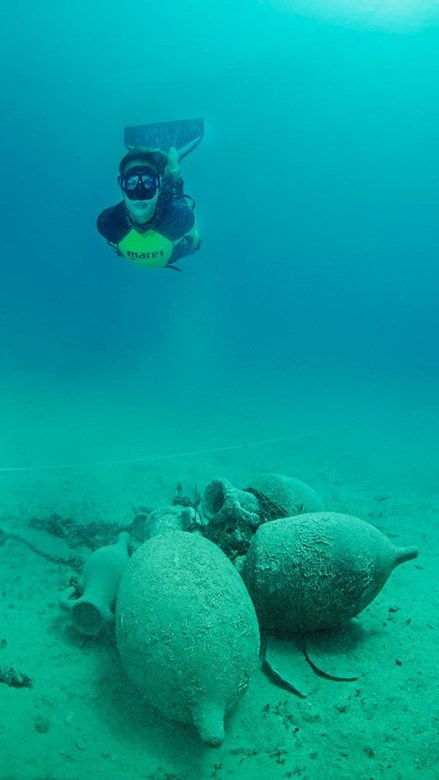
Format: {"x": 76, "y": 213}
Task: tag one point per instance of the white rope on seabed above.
{"x": 151, "y": 458}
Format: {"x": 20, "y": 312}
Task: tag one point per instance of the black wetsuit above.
{"x": 170, "y": 235}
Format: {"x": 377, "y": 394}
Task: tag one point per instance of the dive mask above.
{"x": 139, "y": 183}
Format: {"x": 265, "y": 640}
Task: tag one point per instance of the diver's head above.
{"x": 140, "y": 188}
{"x": 140, "y": 179}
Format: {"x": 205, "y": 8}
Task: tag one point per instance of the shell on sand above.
{"x": 187, "y": 631}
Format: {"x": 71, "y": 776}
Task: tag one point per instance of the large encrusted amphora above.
{"x": 187, "y": 631}
{"x": 317, "y": 570}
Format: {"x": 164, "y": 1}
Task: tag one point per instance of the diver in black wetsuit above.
{"x": 154, "y": 224}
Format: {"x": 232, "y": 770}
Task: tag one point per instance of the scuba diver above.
{"x": 154, "y": 224}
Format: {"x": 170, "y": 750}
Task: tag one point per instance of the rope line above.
{"x": 151, "y": 458}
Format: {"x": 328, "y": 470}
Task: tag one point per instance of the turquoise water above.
{"x": 316, "y": 190}
{"x": 311, "y": 308}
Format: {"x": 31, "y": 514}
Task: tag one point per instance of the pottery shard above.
{"x": 187, "y": 631}
{"x": 317, "y": 570}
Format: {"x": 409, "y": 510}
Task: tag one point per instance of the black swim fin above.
{"x": 183, "y": 134}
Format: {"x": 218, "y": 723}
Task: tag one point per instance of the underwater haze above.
{"x": 316, "y": 191}
{"x": 309, "y": 315}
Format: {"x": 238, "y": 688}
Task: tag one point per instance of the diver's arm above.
{"x": 115, "y": 247}
{"x": 186, "y": 245}
{"x": 111, "y": 224}
{"x": 172, "y": 186}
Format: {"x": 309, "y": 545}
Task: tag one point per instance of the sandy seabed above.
{"x": 82, "y": 718}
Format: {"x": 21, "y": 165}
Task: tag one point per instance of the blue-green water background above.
{"x": 310, "y": 312}
{"x": 314, "y": 296}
